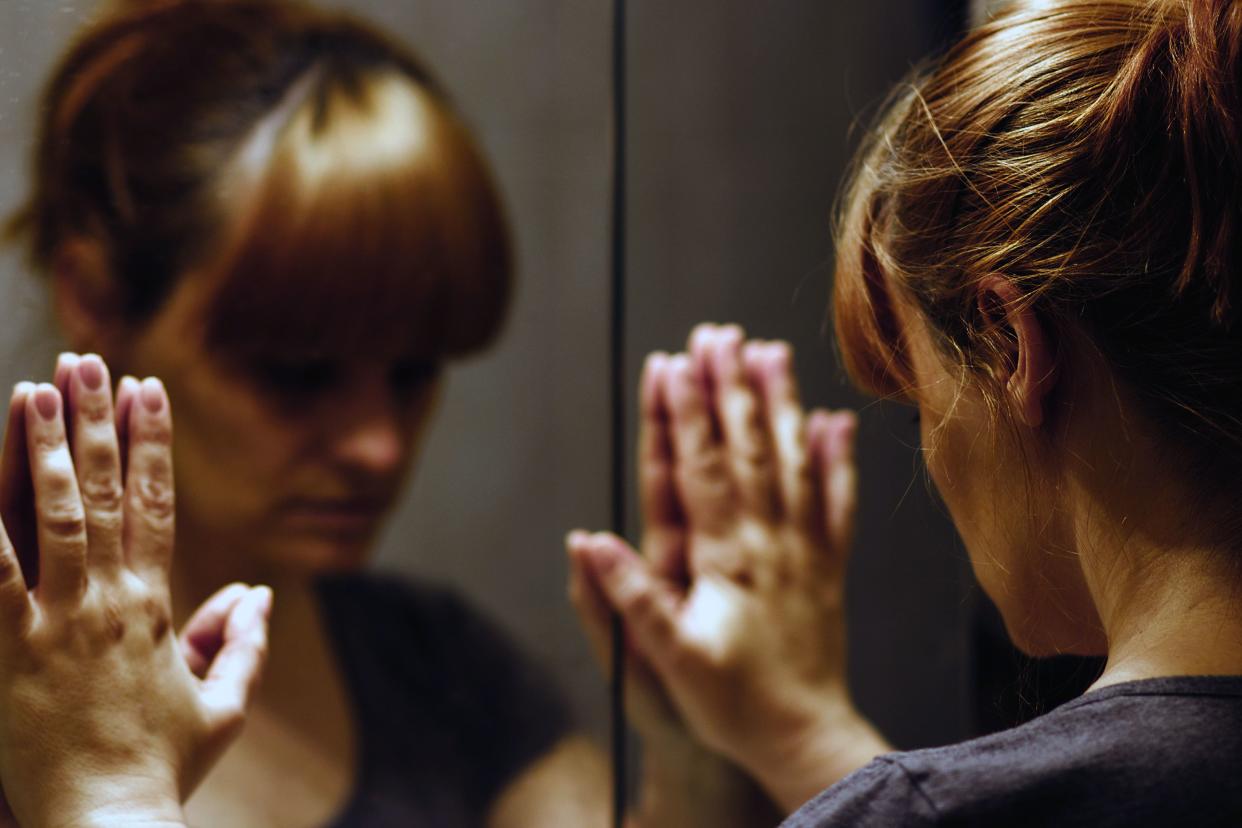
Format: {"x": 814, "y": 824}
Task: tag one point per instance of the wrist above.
{"x": 141, "y": 802}
{"x": 831, "y": 745}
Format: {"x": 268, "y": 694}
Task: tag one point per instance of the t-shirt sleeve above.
{"x": 878, "y": 795}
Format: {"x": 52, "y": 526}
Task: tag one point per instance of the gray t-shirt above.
{"x": 1160, "y": 752}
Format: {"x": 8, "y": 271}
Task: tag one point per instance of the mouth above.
{"x": 336, "y": 516}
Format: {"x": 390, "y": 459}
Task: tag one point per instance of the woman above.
{"x": 276, "y": 210}
{"x": 1039, "y": 251}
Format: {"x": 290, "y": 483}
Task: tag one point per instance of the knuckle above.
{"x": 56, "y": 477}
{"x": 10, "y": 569}
{"x": 637, "y": 602}
{"x": 93, "y": 410}
{"x": 63, "y": 521}
{"x": 101, "y": 491}
{"x": 98, "y": 454}
{"x": 156, "y": 431}
{"x": 708, "y": 465}
{"x": 259, "y": 646}
{"x": 47, "y": 440}
{"x": 159, "y": 618}
{"x": 751, "y": 457}
{"x": 153, "y": 496}
{"x": 113, "y": 617}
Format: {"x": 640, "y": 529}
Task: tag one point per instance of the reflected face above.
{"x": 1003, "y": 501}
{"x": 290, "y": 459}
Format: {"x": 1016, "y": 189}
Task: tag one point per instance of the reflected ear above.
{"x": 1031, "y": 367}
{"x": 85, "y": 297}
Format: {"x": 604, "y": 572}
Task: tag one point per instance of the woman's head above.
{"x": 275, "y": 209}
{"x": 1053, "y": 208}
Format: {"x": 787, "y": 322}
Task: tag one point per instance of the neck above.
{"x": 1178, "y": 615}
{"x": 1167, "y": 600}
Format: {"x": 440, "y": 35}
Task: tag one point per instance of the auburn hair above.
{"x": 306, "y": 157}
{"x": 1090, "y": 152}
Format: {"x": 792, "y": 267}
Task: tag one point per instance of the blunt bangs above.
{"x": 369, "y": 222}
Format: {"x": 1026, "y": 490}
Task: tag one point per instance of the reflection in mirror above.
{"x": 739, "y": 146}
{"x": 283, "y": 213}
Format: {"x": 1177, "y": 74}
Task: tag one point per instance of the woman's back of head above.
{"x": 1090, "y": 152}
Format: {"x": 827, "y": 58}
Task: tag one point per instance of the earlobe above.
{"x": 84, "y": 295}
{"x": 1033, "y": 372}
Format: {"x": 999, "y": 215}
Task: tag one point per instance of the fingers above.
{"x": 16, "y": 486}
{"x": 744, "y": 423}
{"x": 65, "y": 363}
{"x": 59, "y": 517}
{"x": 97, "y": 458}
{"x": 831, "y": 438}
{"x": 771, "y": 366}
{"x": 234, "y": 674}
{"x": 701, "y": 470}
{"x": 203, "y": 635}
{"x": 126, "y": 392}
{"x": 149, "y": 503}
{"x": 663, "y": 541}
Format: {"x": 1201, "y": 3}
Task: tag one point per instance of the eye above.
{"x": 411, "y": 375}
{"x": 295, "y": 377}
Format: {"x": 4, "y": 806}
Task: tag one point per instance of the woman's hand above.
{"x": 736, "y": 607}
{"x": 105, "y": 716}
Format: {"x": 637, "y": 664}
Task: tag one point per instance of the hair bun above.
{"x": 1183, "y": 83}
{"x": 1204, "y": 47}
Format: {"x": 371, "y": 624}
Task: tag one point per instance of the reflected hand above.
{"x": 105, "y": 717}
{"x": 736, "y": 605}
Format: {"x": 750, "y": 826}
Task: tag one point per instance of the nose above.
{"x": 373, "y": 438}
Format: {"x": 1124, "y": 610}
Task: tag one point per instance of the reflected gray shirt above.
{"x": 1160, "y": 752}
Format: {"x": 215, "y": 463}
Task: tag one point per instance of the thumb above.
{"x": 234, "y": 674}
{"x": 646, "y": 603}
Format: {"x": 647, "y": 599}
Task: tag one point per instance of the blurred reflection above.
{"x": 277, "y": 211}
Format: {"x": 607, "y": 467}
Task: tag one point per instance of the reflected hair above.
{"x": 306, "y": 160}
{"x": 1089, "y": 151}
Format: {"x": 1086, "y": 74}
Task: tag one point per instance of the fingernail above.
{"x": 152, "y": 395}
{"x": 23, "y": 388}
{"x": 90, "y": 369}
{"x": 47, "y": 401}
{"x": 575, "y": 538}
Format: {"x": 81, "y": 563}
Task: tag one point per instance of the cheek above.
{"x": 969, "y": 476}
{"x": 231, "y": 455}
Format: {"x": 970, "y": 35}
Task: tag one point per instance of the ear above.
{"x": 1032, "y": 368}
{"x": 85, "y": 297}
